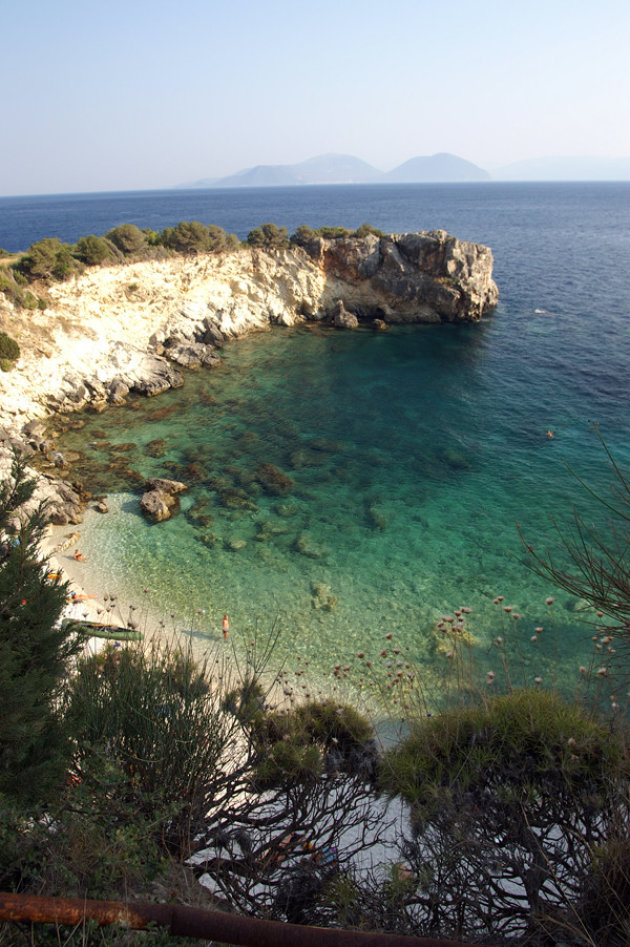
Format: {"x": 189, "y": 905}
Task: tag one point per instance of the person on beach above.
{"x": 78, "y": 597}
{"x": 226, "y": 627}
{"x": 78, "y": 556}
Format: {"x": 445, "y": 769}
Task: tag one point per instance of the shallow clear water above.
{"x": 409, "y": 467}
{"x": 411, "y": 454}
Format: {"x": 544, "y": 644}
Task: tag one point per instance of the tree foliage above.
{"x": 93, "y": 250}
{"x": 48, "y": 259}
{"x": 510, "y": 800}
{"x": 269, "y": 236}
{"x": 593, "y": 564}
{"x": 333, "y": 233}
{"x": 366, "y": 230}
{"x": 155, "y": 718}
{"x": 34, "y": 652}
{"x": 128, "y": 238}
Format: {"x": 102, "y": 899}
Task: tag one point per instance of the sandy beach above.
{"x": 89, "y": 600}
{"x": 93, "y": 602}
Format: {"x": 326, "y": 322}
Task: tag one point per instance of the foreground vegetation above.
{"x": 500, "y": 817}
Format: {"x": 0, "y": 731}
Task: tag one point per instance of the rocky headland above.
{"x": 130, "y": 327}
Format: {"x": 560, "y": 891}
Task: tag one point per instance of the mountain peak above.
{"x": 440, "y": 167}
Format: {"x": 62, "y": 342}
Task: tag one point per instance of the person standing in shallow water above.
{"x": 226, "y": 627}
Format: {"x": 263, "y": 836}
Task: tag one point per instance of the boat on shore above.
{"x": 95, "y": 629}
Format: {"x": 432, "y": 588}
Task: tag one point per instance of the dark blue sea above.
{"x": 413, "y": 454}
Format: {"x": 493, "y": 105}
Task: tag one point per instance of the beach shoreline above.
{"x": 219, "y": 656}
{"x": 89, "y": 600}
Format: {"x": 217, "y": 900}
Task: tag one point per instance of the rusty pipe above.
{"x": 183, "y": 921}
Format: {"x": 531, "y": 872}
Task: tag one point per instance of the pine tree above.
{"x": 34, "y": 652}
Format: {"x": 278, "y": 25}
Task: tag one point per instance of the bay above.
{"x": 412, "y": 454}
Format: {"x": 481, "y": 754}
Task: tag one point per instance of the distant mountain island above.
{"x": 430, "y": 169}
{"x": 346, "y": 169}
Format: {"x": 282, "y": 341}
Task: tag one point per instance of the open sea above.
{"x": 413, "y": 454}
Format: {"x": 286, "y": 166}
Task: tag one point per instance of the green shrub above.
{"x": 510, "y": 803}
{"x": 20, "y": 278}
{"x": 29, "y": 301}
{"x": 9, "y": 348}
{"x": 5, "y": 364}
{"x": 128, "y": 238}
{"x": 153, "y": 720}
{"x": 47, "y": 259}
{"x": 528, "y": 739}
{"x": 303, "y": 235}
{"x": 332, "y": 233}
{"x": 9, "y": 286}
{"x": 365, "y": 229}
{"x": 187, "y": 237}
{"x": 298, "y": 743}
{"x": 308, "y": 239}
{"x": 93, "y": 250}
{"x": 288, "y": 762}
{"x": 269, "y": 236}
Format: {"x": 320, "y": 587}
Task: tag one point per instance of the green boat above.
{"x": 95, "y": 629}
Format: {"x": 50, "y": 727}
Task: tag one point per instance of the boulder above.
{"x": 343, "y": 319}
{"x": 165, "y": 486}
{"x": 155, "y": 375}
{"x": 118, "y": 391}
{"x": 159, "y": 500}
{"x": 156, "y": 505}
{"x": 63, "y": 502}
{"x": 191, "y": 355}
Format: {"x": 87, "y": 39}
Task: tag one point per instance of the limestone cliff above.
{"x": 126, "y": 327}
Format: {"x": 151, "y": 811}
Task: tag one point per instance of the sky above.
{"x": 142, "y": 94}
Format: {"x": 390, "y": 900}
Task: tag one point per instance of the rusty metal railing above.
{"x": 182, "y": 921}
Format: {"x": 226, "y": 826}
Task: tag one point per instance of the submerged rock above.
{"x": 376, "y": 517}
{"x": 306, "y": 546}
{"x": 273, "y": 480}
{"x": 322, "y": 597}
{"x": 287, "y": 510}
{"x": 156, "y": 448}
{"x": 235, "y": 543}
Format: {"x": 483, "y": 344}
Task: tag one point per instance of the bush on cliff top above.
{"x": 128, "y": 238}
{"x": 195, "y": 237}
{"x": 93, "y": 250}
{"x": 269, "y": 237}
{"x": 48, "y": 259}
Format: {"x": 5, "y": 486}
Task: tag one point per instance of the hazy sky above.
{"x": 135, "y": 94}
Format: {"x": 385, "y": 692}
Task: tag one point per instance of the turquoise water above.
{"x": 411, "y": 455}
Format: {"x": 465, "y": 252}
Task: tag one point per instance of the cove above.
{"x": 405, "y": 476}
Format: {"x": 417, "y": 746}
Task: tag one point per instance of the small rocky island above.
{"x": 129, "y": 327}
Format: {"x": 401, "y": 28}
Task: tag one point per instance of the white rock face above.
{"x": 105, "y": 331}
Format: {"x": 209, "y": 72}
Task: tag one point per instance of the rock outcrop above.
{"x": 130, "y": 327}
{"x": 159, "y": 500}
